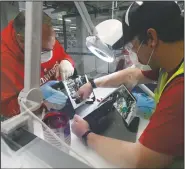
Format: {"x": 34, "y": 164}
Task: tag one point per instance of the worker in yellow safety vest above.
{"x": 153, "y": 32}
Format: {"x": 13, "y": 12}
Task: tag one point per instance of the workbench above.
{"x": 52, "y": 157}
{"x": 116, "y": 130}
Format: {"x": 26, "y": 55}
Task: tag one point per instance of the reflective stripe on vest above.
{"x": 162, "y": 83}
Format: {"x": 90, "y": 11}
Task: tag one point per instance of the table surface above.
{"x": 116, "y": 130}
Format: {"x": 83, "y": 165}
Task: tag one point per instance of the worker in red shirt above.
{"x": 55, "y": 63}
{"x": 154, "y": 30}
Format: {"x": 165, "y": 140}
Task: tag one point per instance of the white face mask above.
{"x": 46, "y": 56}
{"x": 135, "y": 61}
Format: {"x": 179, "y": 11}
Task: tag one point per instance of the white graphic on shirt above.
{"x": 50, "y": 74}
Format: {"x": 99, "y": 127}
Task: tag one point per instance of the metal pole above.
{"x": 33, "y": 32}
{"x": 112, "y": 9}
{"x": 146, "y": 90}
{"x": 65, "y": 33}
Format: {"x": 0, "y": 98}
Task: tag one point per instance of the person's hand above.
{"x": 79, "y": 126}
{"x": 85, "y": 91}
{"x": 66, "y": 69}
{"x": 53, "y": 98}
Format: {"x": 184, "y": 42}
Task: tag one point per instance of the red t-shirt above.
{"x": 165, "y": 132}
{"x": 12, "y": 69}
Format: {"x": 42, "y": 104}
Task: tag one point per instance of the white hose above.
{"x": 54, "y": 135}
{"x": 146, "y": 90}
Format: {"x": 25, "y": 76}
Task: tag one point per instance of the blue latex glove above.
{"x": 145, "y": 104}
{"x": 52, "y": 96}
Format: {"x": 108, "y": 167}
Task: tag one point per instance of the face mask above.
{"x": 135, "y": 61}
{"x": 46, "y": 56}
{"x": 137, "y": 64}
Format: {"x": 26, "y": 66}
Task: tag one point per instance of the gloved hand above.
{"x": 53, "y": 99}
{"x": 66, "y": 69}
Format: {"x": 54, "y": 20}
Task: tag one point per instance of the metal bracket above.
{"x": 33, "y": 32}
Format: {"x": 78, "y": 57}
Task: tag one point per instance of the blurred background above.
{"x": 71, "y": 31}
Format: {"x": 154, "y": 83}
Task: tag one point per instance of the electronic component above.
{"x": 71, "y": 86}
{"x": 125, "y": 103}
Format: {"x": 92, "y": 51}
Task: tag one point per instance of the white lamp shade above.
{"x": 108, "y": 33}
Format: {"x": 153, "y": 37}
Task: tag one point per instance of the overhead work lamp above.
{"x": 100, "y": 41}
{"x": 102, "y": 37}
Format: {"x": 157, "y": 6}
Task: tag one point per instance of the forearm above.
{"x": 130, "y": 77}
{"x": 127, "y": 154}
{"x": 119, "y": 153}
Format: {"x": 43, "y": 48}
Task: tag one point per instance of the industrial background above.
{"x": 71, "y": 31}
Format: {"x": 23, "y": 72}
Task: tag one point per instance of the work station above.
{"x": 92, "y": 84}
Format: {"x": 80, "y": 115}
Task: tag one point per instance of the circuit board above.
{"x": 125, "y": 103}
{"x": 72, "y": 86}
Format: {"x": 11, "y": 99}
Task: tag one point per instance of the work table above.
{"x": 117, "y": 130}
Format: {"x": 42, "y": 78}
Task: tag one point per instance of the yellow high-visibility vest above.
{"x": 162, "y": 83}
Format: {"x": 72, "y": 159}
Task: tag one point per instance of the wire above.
{"x": 54, "y": 135}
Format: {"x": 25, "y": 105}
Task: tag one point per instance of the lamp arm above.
{"x": 86, "y": 17}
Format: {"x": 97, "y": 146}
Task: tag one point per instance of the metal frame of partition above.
{"x": 33, "y": 32}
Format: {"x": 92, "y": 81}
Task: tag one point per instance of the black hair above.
{"x": 19, "y": 22}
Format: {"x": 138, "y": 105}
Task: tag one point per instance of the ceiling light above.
{"x": 67, "y": 20}
{"x": 72, "y": 27}
{"x": 139, "y": 2}
{"x": 56, "y": 29}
